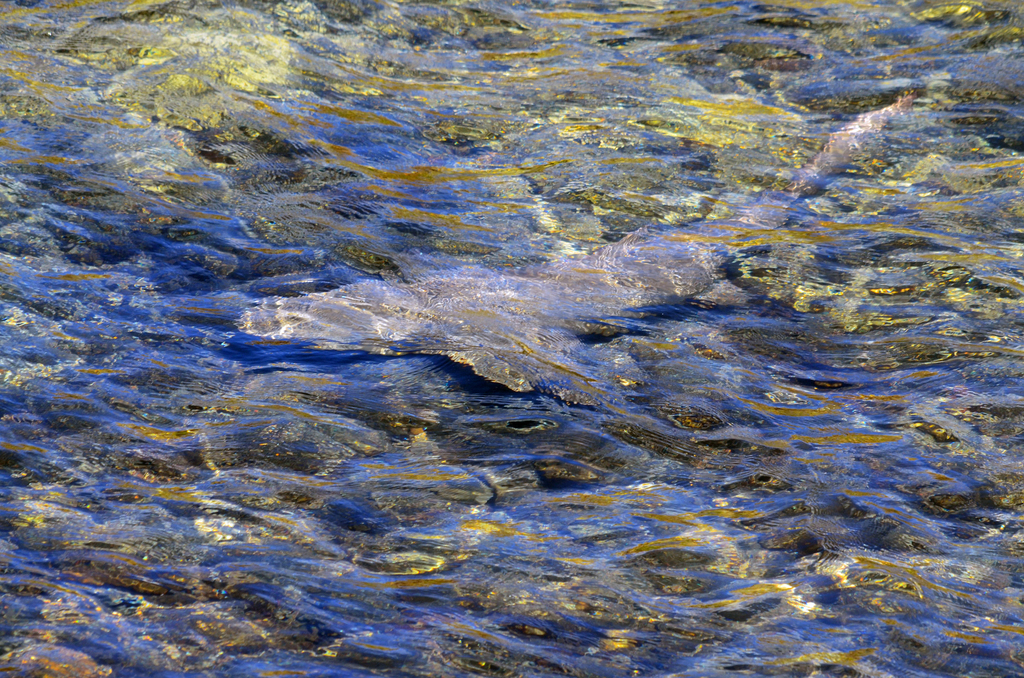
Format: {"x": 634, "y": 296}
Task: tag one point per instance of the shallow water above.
{"x": 830, "y": 479}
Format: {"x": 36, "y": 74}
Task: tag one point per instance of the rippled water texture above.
{"x": 810, "y": 463}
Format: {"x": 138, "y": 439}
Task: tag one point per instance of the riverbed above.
{"x": 813, "y": 465}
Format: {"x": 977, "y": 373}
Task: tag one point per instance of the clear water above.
{"x": 830, "y": 479}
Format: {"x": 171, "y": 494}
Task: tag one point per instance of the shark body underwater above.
{"x": 521, "y": 328}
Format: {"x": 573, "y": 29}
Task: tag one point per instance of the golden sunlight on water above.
{"x": 356, "y": 337}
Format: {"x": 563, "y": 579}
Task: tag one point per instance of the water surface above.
{"x": 834, "y": 480}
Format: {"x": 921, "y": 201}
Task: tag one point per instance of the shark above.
{"x": 523, "y": 328}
